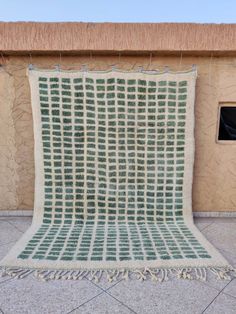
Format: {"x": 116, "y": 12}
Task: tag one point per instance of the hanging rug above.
{"x": 114, "y": 155}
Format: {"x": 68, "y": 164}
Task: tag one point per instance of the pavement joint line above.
{"x": 206, "y": 227}
{"x": 12, "y": 224}
{"x": 229, "y": 295}
{"x": 116, "y": 283}
{"x": 107, "y": 292}
{"x": 210, "y": 286}
{"x": 233, "y": 279}
{"x": 216, "y": 297}
{"x": 95, "y": 284}
{"x": 76, "y": 308}
{"x": 8, "y": 220}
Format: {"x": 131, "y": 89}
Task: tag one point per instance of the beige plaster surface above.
{"x": 214, "y": 187}
{"x": 8, "y": 148}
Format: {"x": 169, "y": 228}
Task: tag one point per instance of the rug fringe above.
{"x": 156, "y": 275}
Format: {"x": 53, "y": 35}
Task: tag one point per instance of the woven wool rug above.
{"x": 114, "y": 157}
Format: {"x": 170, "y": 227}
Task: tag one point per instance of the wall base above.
{"x": 29, "y": 213}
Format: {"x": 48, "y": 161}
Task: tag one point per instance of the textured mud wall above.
{"x": 214, "y": 187}
{"x": 112, "y": 37}
{"x": 8, "y": 148}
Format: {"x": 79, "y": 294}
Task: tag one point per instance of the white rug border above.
{"x": 11, "y": 260}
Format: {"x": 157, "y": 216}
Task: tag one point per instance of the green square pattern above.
{"x": 114, "y": 165}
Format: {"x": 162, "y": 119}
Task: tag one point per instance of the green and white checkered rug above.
{"x": 114, "y": 159}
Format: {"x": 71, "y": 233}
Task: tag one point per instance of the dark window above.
{"x": 227, "y": 125}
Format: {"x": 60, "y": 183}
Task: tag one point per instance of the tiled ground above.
{"x": 79, "y": 297}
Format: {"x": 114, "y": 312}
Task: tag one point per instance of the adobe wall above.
{"x": 214, "y": 187}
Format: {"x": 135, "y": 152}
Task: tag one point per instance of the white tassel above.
{"x": 117, "y": 274}
{"x": 46, "y": 275}
{"x": 153, "y": 274}
{"x": 221, "y": 273}
{"x": 66, "y": 275}
{"x": 166, "y": 275}
{"x": 126, "y": 275}
{"x": 179, "y": 273}
{"x": 94, "y": 276}
{"x": 110, "y": 275}
{"x": 19, "y": 273}
{"x": 161, "y": 278}
{"x": 160, "y": 275}
{"x": 53, "y": 275}
{"x": 91, "y": 273}
{"x": 14, "y": 273}
{"x": 37, "y": 274}
{"x": 83, "y": 274}
{"x": 3, "y": 273}
{"x": 70, "y": 276}
{"x": 76, "y": 275}
{"x": 140, "y": 275}
{"x": 204, "y": 274}
{"x": 99, "y": 275}
{"x": 188, "y": 274}
{"x": 26, "y": 273}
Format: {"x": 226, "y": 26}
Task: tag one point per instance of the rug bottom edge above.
{"x": 154, "y": 274}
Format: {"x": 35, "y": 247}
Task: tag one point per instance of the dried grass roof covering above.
{"x": 112, "y": 37}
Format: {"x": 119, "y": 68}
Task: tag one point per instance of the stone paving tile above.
{"x": 230, "y": 257}
{"x": 175, "y": 296}
{"x": 231, "y": 289}
{"x": 8, "y": 233}
{"x": 223, "y": 304}
{"x": 21, "y": 224}
{"x": 103, "y": 304}
{"x": 4, "y": 249}
{"x": 33, "y": 296}
{"x": 202, "y": 223}
{"x": 222, "y": 235}
{"x": 213, "y": 282}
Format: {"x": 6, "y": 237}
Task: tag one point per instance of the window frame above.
{"x": 220, "y": 105}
